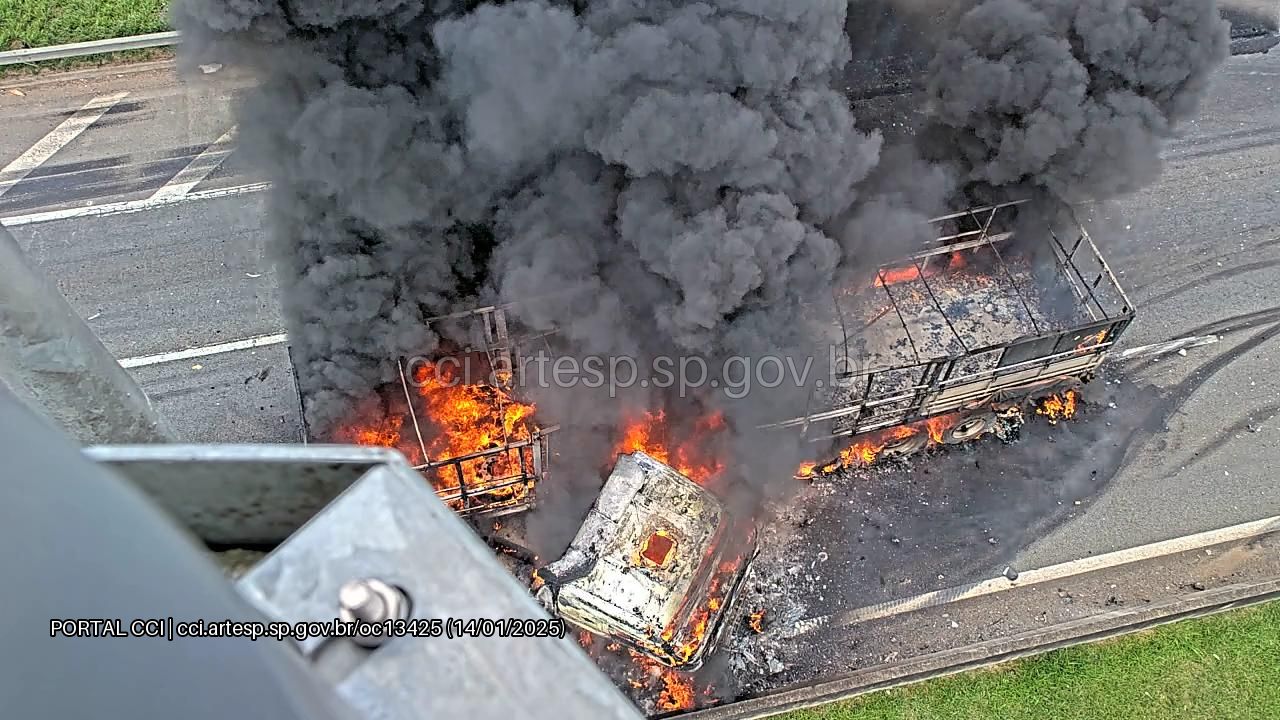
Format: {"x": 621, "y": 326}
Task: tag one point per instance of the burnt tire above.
{"x": 970, "y": 427}
{"x": 904, "y": 447}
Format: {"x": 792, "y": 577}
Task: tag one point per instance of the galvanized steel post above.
{"x": 55, "y": 363}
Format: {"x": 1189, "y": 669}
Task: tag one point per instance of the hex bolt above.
{"x": 369, "y": 600}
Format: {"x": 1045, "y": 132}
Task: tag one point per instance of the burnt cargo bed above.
{"x": 981, "y": 313}
{"x": 964, "y": 301}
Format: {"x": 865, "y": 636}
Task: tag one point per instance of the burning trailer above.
{"x": 998, "y": 318}
{"x": 656, "y": 565}
{"x": 475, "y": 442}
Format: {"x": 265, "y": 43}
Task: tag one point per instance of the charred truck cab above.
{"x": 657, "y": 564}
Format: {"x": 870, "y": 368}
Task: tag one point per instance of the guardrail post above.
{"x": 55, "y": 363}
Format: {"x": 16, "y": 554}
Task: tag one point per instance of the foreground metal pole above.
{"x": 52, "y": 361}
{"x": 80, "y": 543}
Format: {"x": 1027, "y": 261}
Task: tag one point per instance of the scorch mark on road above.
{"x": 58, "y": 138}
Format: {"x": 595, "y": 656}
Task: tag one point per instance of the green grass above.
{"x": 36, "y": 23}
{"x": 1224, "y": 667}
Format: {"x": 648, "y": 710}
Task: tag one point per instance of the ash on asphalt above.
{"x": 946, "y": 518}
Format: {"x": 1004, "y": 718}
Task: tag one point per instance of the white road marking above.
{"x": 69, "y": 130}
{"x": 129, "y": 206}
{"x": 246, "y": 344}
{"x": 199, "y": 168}
{"x": 1042, "y": 575}
{"x": 1170, "y": 346}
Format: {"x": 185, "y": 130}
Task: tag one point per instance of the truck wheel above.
{"x": 902, "y": 447}
{"x": 970, "y": 427}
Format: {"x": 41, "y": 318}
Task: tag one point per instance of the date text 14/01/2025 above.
{"x": 478, "y": 627}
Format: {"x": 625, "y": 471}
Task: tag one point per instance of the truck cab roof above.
{"x": 643, "y": 567}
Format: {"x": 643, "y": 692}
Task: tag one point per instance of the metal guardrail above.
{"x": 173, "y": 37}
{"x": 93, "y": 47}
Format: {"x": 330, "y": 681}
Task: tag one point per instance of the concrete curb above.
{"x": 984, "y": 654}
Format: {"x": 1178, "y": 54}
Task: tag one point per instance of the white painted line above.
{"x": 129, "y": 206}
{"x": 199, "y": 168}
{"x": 1165, "y": 348}
{"x": 246, "y": 344}
{"x": 1042, "y": 575}
{"x": 69, "y": 130}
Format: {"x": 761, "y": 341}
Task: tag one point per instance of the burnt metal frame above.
{"x": 936, "y": 375}
{"x": 497, "y": 347}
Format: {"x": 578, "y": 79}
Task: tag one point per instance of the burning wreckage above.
{"x": 941, "y": 347}
{"x": 656, "y": 565}
{"x": 960, "y": 339}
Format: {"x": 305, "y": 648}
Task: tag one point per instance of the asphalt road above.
{"x": 1188, "y": 447}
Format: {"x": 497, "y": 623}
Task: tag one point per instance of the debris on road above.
{"x": 1179, "y": 346}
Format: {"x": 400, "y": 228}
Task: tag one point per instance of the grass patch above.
{"x": 1224, "y": 666}
{"x": 38, "y": 23}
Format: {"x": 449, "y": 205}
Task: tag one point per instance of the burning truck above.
{"x": 1002, "y": 316}
{"x": 656, "y": 565}
{"x": 991, "y": 321}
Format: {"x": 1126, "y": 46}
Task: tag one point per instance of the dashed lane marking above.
{"x": 245, "y": 344}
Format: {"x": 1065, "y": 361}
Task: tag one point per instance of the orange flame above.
{"x": 1058, "y": 407}
{"x": 382, "y": 434}
{"x": 695, "y": 629}
{"x": 690, "y": 457}
{"x": 1091, "y": 340}
{"x": 866, "y": 450}
{"x": 678, "y": 693}
{"x": 674, "y": 688}
{"x": 466, "y": 418}
{"x": 656, "y": 550}
{"x": 755, "y": 621}
{"x": 895, "y": 276}
{"x": 937, "y": 427}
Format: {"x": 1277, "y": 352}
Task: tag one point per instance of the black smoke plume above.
{"x": 657, "y": 178}
{"x": 1072, "y": 99}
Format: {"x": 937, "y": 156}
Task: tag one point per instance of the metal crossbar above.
{"x": 884, "y": 282}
